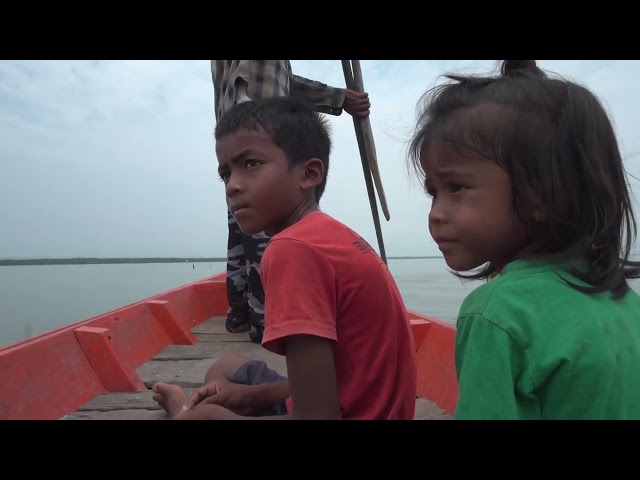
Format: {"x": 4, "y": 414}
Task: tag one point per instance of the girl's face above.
{"x": 471, "y": 217}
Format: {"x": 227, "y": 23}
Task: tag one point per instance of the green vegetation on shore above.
{"x": 95, "y": 261}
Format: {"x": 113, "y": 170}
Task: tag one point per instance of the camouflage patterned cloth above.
{"x": 244, "y": 285}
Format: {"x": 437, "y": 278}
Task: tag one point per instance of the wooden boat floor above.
{"x": 186, "y": 365}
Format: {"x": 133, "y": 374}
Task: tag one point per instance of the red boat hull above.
{"x": 52, "y": 374}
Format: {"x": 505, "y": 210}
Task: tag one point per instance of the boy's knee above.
{"x": 229, "y": 363}
{"x": 225, "y": 367}
{"x": 232, "y": 358}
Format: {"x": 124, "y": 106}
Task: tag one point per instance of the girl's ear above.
{"x": 536, "y": 206}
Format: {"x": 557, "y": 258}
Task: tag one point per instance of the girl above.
{"x": 528, "y": 187}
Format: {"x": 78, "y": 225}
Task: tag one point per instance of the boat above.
{"x": 103, "y": 367}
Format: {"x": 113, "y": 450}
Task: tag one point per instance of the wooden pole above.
{"x": 348, "y": 76}
{"x": 369, "y": 144}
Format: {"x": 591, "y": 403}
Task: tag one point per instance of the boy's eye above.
{"x": 224, "y": 176}
{"x": 252, "y": 163}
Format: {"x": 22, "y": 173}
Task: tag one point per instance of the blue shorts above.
{"x": 256, "y": 372}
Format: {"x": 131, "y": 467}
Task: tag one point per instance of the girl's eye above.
{"x": 455, "y": 187}
{"x": 431, "y": 192}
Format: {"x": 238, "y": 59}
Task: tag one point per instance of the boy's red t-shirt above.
{"x": 321, "y": 278}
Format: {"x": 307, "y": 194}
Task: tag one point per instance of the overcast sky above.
{"x": 116, "y": 158}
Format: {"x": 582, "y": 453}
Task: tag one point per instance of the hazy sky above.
{"x": 116, "y": 158}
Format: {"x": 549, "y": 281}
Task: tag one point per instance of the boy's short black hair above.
{"x": 293, "y": 125}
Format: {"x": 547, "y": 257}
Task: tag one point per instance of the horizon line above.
{"x": 83, "y": 260}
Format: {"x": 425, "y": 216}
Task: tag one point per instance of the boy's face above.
{"x": 471, "y": 217}
{"x": 262, "y": 191}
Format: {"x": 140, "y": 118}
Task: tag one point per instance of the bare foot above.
{"x": 170, "y": 397}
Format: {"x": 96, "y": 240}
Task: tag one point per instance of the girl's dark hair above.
{"x": 555, "y": 141}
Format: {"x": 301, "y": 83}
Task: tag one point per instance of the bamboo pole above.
{"x": 369, "y": 143}
{"x": 366, "y": 169}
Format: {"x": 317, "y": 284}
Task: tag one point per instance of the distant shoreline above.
{"x": 97, "y": 261}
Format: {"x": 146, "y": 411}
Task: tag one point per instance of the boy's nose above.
{"x": 233, "y": 186}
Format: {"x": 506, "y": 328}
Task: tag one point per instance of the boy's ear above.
{"x": 312, "y": 174}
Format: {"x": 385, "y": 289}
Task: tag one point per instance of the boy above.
{"x": 332, "y": 307}
{"x": 236, "y": 81}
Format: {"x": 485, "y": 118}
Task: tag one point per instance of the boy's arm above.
{"x": 312, "y": 381}
{"x": 312, "y": 377}
{"x": 269, "y": 394}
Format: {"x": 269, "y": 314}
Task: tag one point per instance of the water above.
{"x": 36, "y": 299}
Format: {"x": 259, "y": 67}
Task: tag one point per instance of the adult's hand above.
{"x": 357, "y": 104}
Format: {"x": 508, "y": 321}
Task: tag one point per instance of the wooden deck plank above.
{"x": 186, "y": 373}
{"x": 137, "y": 414}
{"x": 121, "y": 401}
{"x": 206, "y": 350}
{"x": 213, "y": 330}
{"x": 242, "y": 337}
{"x": 213, "y": 350}
{"x": 213, "y": 325}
